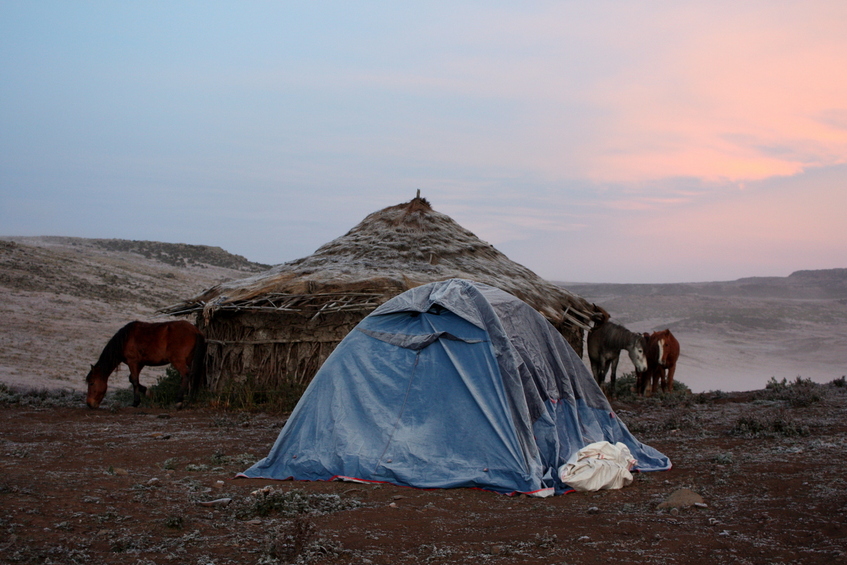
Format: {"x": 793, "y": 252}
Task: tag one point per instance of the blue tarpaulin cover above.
{"x": 450, "y": 384}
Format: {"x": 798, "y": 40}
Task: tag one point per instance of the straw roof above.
{"x": 390, "y": 251}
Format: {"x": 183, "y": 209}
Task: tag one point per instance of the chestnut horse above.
{"x": 662, "y": 353}
{"x": 605, "y": 342}
{"x": 142, "y": 344}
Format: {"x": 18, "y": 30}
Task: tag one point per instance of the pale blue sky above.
{"x": 603, "y": 141}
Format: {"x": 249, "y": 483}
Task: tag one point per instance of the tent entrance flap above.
{"x": 414, "y": 342}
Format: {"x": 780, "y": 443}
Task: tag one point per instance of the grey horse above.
{"x": 606, "y": 340}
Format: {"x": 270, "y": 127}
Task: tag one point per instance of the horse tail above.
{"x": 198, "y": 364}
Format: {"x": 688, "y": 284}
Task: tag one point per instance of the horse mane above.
{"x": 113, "y": 354}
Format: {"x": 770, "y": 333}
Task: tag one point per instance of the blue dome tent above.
{"x": 450, "y": 384}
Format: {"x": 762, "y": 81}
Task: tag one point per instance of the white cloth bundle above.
{"x": 597, "y": 466}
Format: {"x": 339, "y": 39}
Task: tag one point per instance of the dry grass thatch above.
{"x": 392, "y": 250}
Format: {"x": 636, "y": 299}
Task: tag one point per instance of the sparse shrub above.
{"x": 106, "y": 517}
{"x": 710, "y": 396}
{"x": 680, "y": 387}
{"x": 748, "y": 426}
{"x": 788, "y": 428}
{"x": 625, "y": 387}
{"x": 289, "y": 541}
{"x": 170, "y": 464}
{"x": 164, "y": 392}
{"x": 680, "y": 419}
{"x": 242, "y": 460}
{"x": 266, "y": 501}
{"x": 197, "y": 467}
{"x": 240, "y": 419}
{"x": 798, "y": 394}
{"x": 625, "y": 392}
{"x": 676, "y": 419}
{"x": 546, "y": 541}
{"x": 779, "y": 425}
{"x": 840, "y": 383}
{"x": 723, "y": 458}
{"x": 28, "y": 396}
{"x": 774, "y": 384}
{"x": 121, "y": 397}
{"x": 174, "y": 522}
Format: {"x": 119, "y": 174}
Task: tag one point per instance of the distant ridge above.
{"x": 173, "y": 254}
{"x": 182, "y": 254}
{"x": 807, "y": 284}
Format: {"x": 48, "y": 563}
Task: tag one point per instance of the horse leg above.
{"x": 597, "y": 367}
{"x": 658, "y": 379}
{"x": 649, "y": 380}
{"x": 641, "y": 378}
{"x": 138, "y": 390}
{"x": 671, "y": 371}
{"x": 614, "y": 367}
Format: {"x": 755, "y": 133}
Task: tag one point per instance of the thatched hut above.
{"x": 277, "y": 327}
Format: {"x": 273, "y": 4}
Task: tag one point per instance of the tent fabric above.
{"x": 450, "y": 384}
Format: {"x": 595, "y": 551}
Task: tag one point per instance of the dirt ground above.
{"x": 125, "y": 485}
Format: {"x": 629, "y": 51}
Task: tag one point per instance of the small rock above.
{"x": 398, "y": 497}
{"x": 583, "y": 538}
{"x": 253, "y": 522}
{"x": 152, "y": 481}
{"x": 495, "y": 549}
{"x": 593, "y": 510}
{"x": 122, "y": 472}
{"x": 701, "y": 505}
{"x": 264, "y": 491}
{"x": 219, "y": 484}
{"x": 682, "y": 498}
{"x": 393, "y": 505}
{"x": 674, "y": 511}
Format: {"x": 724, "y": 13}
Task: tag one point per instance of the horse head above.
{"x": 97, "y": 384}
{"x": 637, "y": 349}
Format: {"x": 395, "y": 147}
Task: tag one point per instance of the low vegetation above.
{"x": 780, "y": 424}
{"x": 625, "y": 392}
{"x": 797, "y": 394}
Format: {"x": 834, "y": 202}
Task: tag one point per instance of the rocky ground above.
{"x": 757, "y": 478}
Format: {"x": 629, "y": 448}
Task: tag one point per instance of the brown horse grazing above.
{"x": 662, "y": 354}
{"x": 141, "y": 344}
